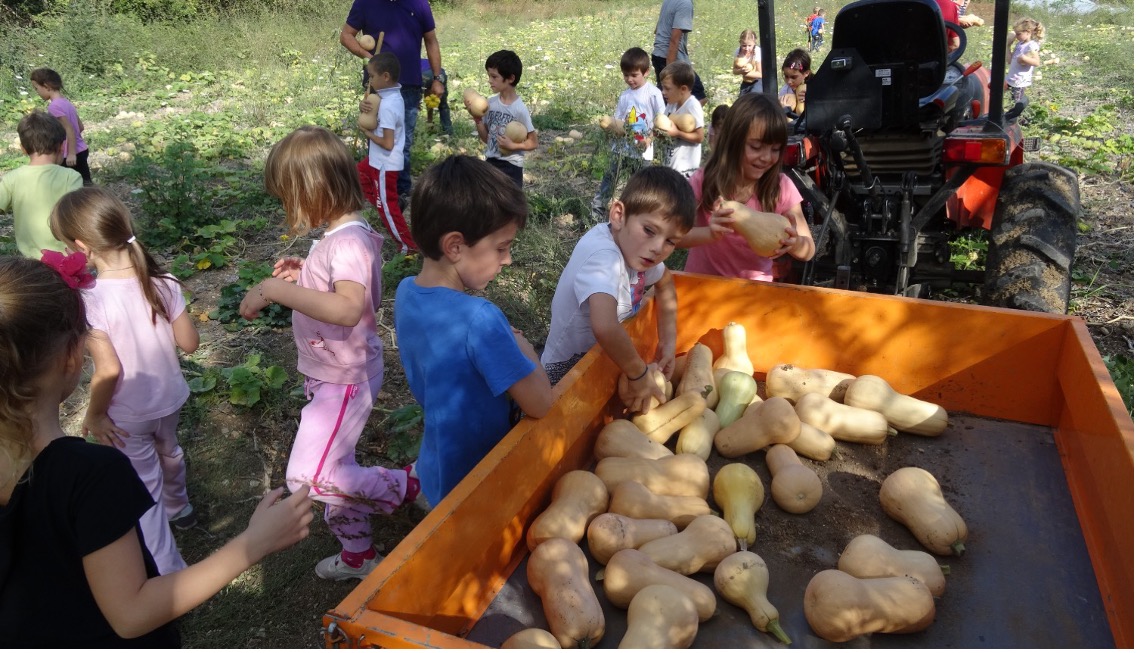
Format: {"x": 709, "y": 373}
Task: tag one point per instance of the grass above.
{"x": 225, "y": 88}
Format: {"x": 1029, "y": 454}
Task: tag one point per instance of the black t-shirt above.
{"x": 75, "y": 499}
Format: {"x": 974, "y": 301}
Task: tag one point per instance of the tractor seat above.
{"x": 886, "y": 56}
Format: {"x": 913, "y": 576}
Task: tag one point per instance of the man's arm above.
{"x": 674, "y": 45}
{"x": 435, "y": 58}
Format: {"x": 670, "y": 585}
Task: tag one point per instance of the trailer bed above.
{"x": 1025, "y": 580}
{"x": 1039, "y": 461}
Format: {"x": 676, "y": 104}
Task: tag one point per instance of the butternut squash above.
{"x": 559, "y": 573}
{"x": 663, "y": 123}
{"x": 659, "y": 616}
{"x": 869, "y": 556}
{"x": 629, "y": 571}
{"x": 696, "y": 438}
{"x": 773, "y": 421}
{"x": 735, "y": 355}
{"x": 610, "y": 532}
{"x": 698, "y": 375}
{"x": 516, "y": 131}
{"x": 369, "y": 115}
{"x": 531, "y": 638}
{"x": 913, "y": 497}
{"x": 794, "y": 487}
{"x": 475, "y": 103}
{"x": 839, "y": 607}
{"x": 684, "y": 122}
{"x": 736, "y": 390}
{"x": 632, "y": 499}
{"x": 791, "y": 382}
{"x": 578, "y": 497}
{"x": 662, "y": 422}
{"x": 742, "y": 579}
{"x": 681, "y": 475}
{"x": 614, "y": 127}
{"x": 620, "y": 437}
{"x": 843, "y": 422}
{"x": 366, "y": 41}
{"x": 738, "y": 491}
{"x": 700, "y": 546}
{"x": 903, "y": 412}
{"x": 763, "y": 231}
{"x": 813, "y": 442}
{"x": 679, "y": 368}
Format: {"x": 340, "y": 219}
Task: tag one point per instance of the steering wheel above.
{"x": 956, "y": 54}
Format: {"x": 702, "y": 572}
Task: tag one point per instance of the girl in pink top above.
{"x": 49, "y": 85}
{"x": 137, "y": 316}
{"x": 745, "y": 166}
{"x": 334, "y": 294}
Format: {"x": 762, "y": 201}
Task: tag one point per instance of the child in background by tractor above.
{"x": 809, "y": 23}
{"x": 796, "y": 72}
{"x": 817, "y": 30}
{"x": 1025, "y": 39}
{"x": 746, "y": 166}
{"x": 748, "y": 63}
{"x": 465, "y": 365}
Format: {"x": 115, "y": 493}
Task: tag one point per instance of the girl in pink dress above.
{"x": 745, "y": 166}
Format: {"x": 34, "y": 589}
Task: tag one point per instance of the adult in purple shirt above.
{"x": 407, "y": 26}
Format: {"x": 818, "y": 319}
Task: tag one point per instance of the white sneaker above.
{"x": 334, "y": 568}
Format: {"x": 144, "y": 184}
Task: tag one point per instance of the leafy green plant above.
{"x": 1122, "y": 371}
{"x": 969, "y": 251}
{"x": 172, "y": 193}
{"x": 244, "y": 383}
{"x": 400, "y": 267}
{"x": 404, "y": 426}
{"x": 229, "y": 303}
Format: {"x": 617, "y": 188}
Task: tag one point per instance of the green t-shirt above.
{"x": 29, "y": 193}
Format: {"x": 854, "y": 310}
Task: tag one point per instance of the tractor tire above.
{"x": 1032, "y": 242}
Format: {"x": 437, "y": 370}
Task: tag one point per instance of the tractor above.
{"x": 902, "y": 147}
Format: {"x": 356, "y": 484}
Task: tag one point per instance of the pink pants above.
{"x": 155, "y": 454}
{"x": 324, "y": 456}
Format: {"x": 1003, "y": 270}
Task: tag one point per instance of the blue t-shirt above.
{"x": 816, "y": 25}
{"x": 460, "y": 358}
{"x": 403, "y": 23}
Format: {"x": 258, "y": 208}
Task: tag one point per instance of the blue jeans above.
{"x": 412, "y": 98}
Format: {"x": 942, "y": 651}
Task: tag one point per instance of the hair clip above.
{"x": 794, "y": 65}
{"x": 130, "y": 240}
{"x": 72, "y": 267}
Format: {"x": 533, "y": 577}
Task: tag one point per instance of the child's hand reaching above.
{"x": 641, "y": 391}
{"x": 722, "y": 220}
{"x": 104, "y": 430}
{"x": 787, "y": 244}
{"x": 254, "y": 301}
{"x": 288, "y": 269}
{"x": 278, "y": 523}
{"x": 666, "y": 358}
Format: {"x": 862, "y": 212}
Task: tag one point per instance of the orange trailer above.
{"x": 1029, "y": 368}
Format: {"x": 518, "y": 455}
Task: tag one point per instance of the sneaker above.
{"x": 334, "y": 568}
{"x": 413, "y": 485}
{"x": 185, "y": 519}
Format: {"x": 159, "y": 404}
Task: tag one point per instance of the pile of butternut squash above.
{"x": 643, "y": 511}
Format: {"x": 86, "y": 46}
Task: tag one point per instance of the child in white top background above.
{"x": 334, "y": 294}
{"x": 684, "y": 149}
{"x": 748, "y": 63}
{"x": 1025, "y": 40}
{"x": 636, "y": 109}
{"x": 379, "y": 173}
{"x": 138, "y": 316}
{"x": 503, "y": 71}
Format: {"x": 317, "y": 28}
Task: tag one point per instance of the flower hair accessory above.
{"x": 72, "y": 267}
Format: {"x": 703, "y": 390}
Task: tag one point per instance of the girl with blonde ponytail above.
{"x": 137, "y": 316}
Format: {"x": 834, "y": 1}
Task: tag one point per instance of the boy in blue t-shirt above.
{"x": 817, "y": 30}
{"x": 464, "y": 362}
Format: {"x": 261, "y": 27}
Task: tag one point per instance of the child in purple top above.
{"x": 334, "y": 294}
{"x": 49, "y": 85}
{"x": 138, "y": 318}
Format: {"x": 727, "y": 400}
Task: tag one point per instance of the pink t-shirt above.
{"x": 730, "y": 256}
{"x": 329, "y": 352}
{"x": 151, "y": 383}
{"x": 61, "y": 107}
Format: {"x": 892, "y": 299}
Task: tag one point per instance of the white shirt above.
{"x": 497, "y": 117}
{"x": 596, "y": 266}
{"x": 1019, "y": 75}
{"x": 391, "y": 116}
{"x": 636, "y": 110}
{"x": 682, "y": 156}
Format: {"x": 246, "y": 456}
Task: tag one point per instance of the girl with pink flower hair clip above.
{"x": 137, "y": 316}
